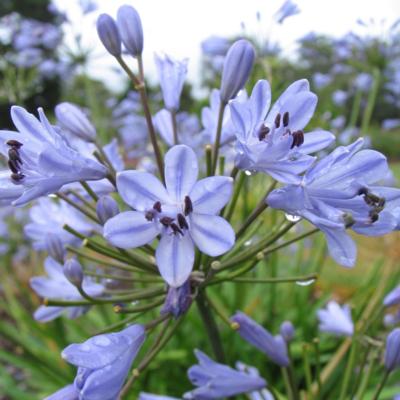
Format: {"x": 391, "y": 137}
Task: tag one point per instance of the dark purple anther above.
{"x": 175, "y": 228}
{"x": 298, "y": 139}
{"x": 17, "y": 177}
{"x": 285, "y": 119}
{"x": 166, "y": 221}
{"x": 14, "y": 155}
{"x": 263, "y": 132}
{"x": 278, "y": 120}
{"x": 182, "y": 222}
{"x": 157, "y": 206}
{"x": 149, "y": 215}
{"x": 13, "y": 166}
{"x": 14, "y": 143}
{"x": 188, "y": 206}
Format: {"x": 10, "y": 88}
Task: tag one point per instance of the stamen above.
{"x": 175, "y": 228}
{"x": 157, "y": 206}
{"x": 17, "y": 177}
{"x": 149, "y": 215}
{"x": 278, "y": 120}
{"x": 188, "y": 206}
{"x": 298, "y": 139}
{"x": 285, "y": 119}
{"x": 374, "y": 215}
{"x": 14, "y": 155}
{"x": 14, "y": 143}
{"x": 362, "y": 191}
{"x": 166, "y": 221}
{"x": 13, "y": 166}
{"x": 263, "y": 132}
{"x": 182, "y": 222}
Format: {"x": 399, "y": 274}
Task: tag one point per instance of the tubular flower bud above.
{"x": 73, "y": 272}
{"x": 109, "y": 34}
{"x": 106, "y": 208}
{"x": 130, "y": 29}
{"x": 237, "y": 67}
{"x": 392, "y": 351}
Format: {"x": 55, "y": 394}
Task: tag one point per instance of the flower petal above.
{"x": 175, "y": 257}
{"x": 341, "y": 246}
{"x": 181, "y": 170}
{"x": 315, "y": 141}
{"x": 140, "y": 190}
{"x": 212, "y": 234}
{"x": 130, "y": 229}
{"x": 210, "y": 194}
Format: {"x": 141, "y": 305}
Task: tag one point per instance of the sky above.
{"x": 177, "y": 27}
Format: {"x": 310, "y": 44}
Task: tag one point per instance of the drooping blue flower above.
{"x": 392, "y": 350}
{"x": 238, "y": 64}
{"x": 215, "y": 381}
{"x": 71, "y": 118}
{"x": 336, "y": 320}
{"x": 73, "y": 272}
{"x": 104, "y": 361}
{"x": 215, "y": 46}
{"x": 178, "y": 300}
{"x": 392, "y": 298}
{"x": 106, "y": 208}
{"x": 40, "y": 160}
{"x": 130, "y": 29}
{"x": 172, "y": 74}
{"x": 57, "y": 286}
{"x": 273, "y": 141}
{"x": 274, "y": 347}
{"x": 338, "y": 192}
{"x": 287, "y": 331}
{"x": 149, "y": 396}
{"x": 287, "y": 9}
{"x": 109, "y": 34}
{"x": 69, "y": 392}
{"x": 184, "y": 213}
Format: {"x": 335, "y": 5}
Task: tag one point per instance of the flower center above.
{"x": 14, "y": 160}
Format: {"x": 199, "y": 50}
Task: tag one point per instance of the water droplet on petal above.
{"x": 102, "y": 341}
{"x": 305, "y": 283}
{"x": 292, "y": 218}
{"x": 247, "y": 172}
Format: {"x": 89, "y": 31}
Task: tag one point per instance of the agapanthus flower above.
{"x": 287, "y": 9}
{"x": 215, "y": 46}
{"x": 40, "y": 160}
{"x": 215, "y": 381}
{"x": 57, "y": 286}
{"x": 130, "y": 29}
{"x": 104, "y": 361}
{"x": 178, "y": 300}
{"x": 262, "y": 394}
{"x": 392, "y": 298}
{"x": 274, "y": 347}
{"x": 172, "y": 74}
{"x": 336, "y": 319}
{"x": 338, "y": 192}
{"x": 184, "y": 214}
{"x": 392, "y": 350}
{"x": 47, "y": 219}
{"x": 273, "y": 141}
{"x": 109, "y": 34}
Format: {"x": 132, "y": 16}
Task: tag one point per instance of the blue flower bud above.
{"x": 178, "y": 300}
{"x": 392, "y": 351}
{"x": 71, "y": 118}
{"x": 109, "y": 34}
{"x": 130, "y": 29}
{"x": 287, "y": 331}
{"x": 106, "y": 208}
{"x": 237, "y": 67}
{"x": 73, "y": 272}
{"x": 55, "y": 248}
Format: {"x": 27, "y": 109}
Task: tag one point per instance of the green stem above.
{"x": 307, "y": 371}
{"x": 370, "y": 102}
{"x": 288, "y": 385}
{"x": 381, "y": 385}
{"x": 303, "y": 278}
{"x": 89, "y": 190}
{"x": 355, "y": 111}
{"x": 235, "y": 196}
{"x": 83, "y": 200}
{"x": 174, "y": 126}
{"x": 218, "y": 137}
{"x": 77, "y": 206}
{"x": 349, "y": 370}
{"x": 365, "y": 377}
{"x": 208, "y": 155}
{"x": 135, "y": 309}
{"x": 210, "y": 326}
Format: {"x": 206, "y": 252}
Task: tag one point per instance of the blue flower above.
{"x": 184, "y": 213}
{"x": 287, "y": 9}
{"x": 274, "y": 347}
{"x": 336, "y": 320}
{"x": 69, "y": 392}
{"x": 130, "y": 29}
{"x": 172, "y": 74}
{"x": 338, "y": 192}
{"x": 392, "y": 298}
{"x": 215, "y": 46}
{"x": 273, "y": 141}
{"x": 215, "y": 381}
{"x": 104, "y": 361}
{"x": 149, "y": 396}
{"x": 40, "y": 160}
{"x": 392, "y": 350}
{"x": 57, "y": 286}
{"x": 178, "y": 300}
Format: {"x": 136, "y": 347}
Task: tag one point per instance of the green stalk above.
{"x": 370, "y": 102}
{"x": 303, "y": 278}
{"x": 238, "y": 187}
{"x": 381, "y": 385}
{"x": 367, "y": 375}
{"x": 349, "y": 370}
{"x": 218, "y": 137}
{"x": 307, "y": 370}
{"x": 135, "y": 309}
{"x": 89, "y": 190}
{"x": 208, "y": 155}
{"x": 355, "y": 111}
{"x": 77, "y": 206}
{"x": 174, "y": 126}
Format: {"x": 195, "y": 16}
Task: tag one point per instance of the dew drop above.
{"x": 102, "y": 341}
{"x": 248, "y": 242}
{"x": 305, "y": 283}
{"x": 247, "y": 172}
{"x": 292, "y": 218}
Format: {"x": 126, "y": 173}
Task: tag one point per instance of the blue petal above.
{"x": 212, "y": 234}
{"x": 46, "y": 314}
{"x": 130, "y": 229}
{"x": 28, "y": 125}
{"x": 163, "y": 123}
{"x": 181, "y": 170}
{"x": 315, "y": 141}
{"x": 209, "y": 195}
{"x": 341, "y": 246}
{"x": 66, "y": 393}
{"x": 175, "y": 257}
{"x": 141, "y": 190}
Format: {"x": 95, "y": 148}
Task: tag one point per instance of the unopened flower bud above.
{"x": 178, "y": 300}
{"x": 392, "y": 351}
{"x": 106, "y": 208}
{"x": 55, "y": 248}
{"x": 287, "y": 331}
{"x": 71, "y": 118}
{"x": 130, "y": 29}
{"x": 109, "y": 34}
{"x": 73, "y": 272}
{"x": 237, "y": 67}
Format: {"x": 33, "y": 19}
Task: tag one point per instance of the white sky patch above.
{"x": 177, "y": 27}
